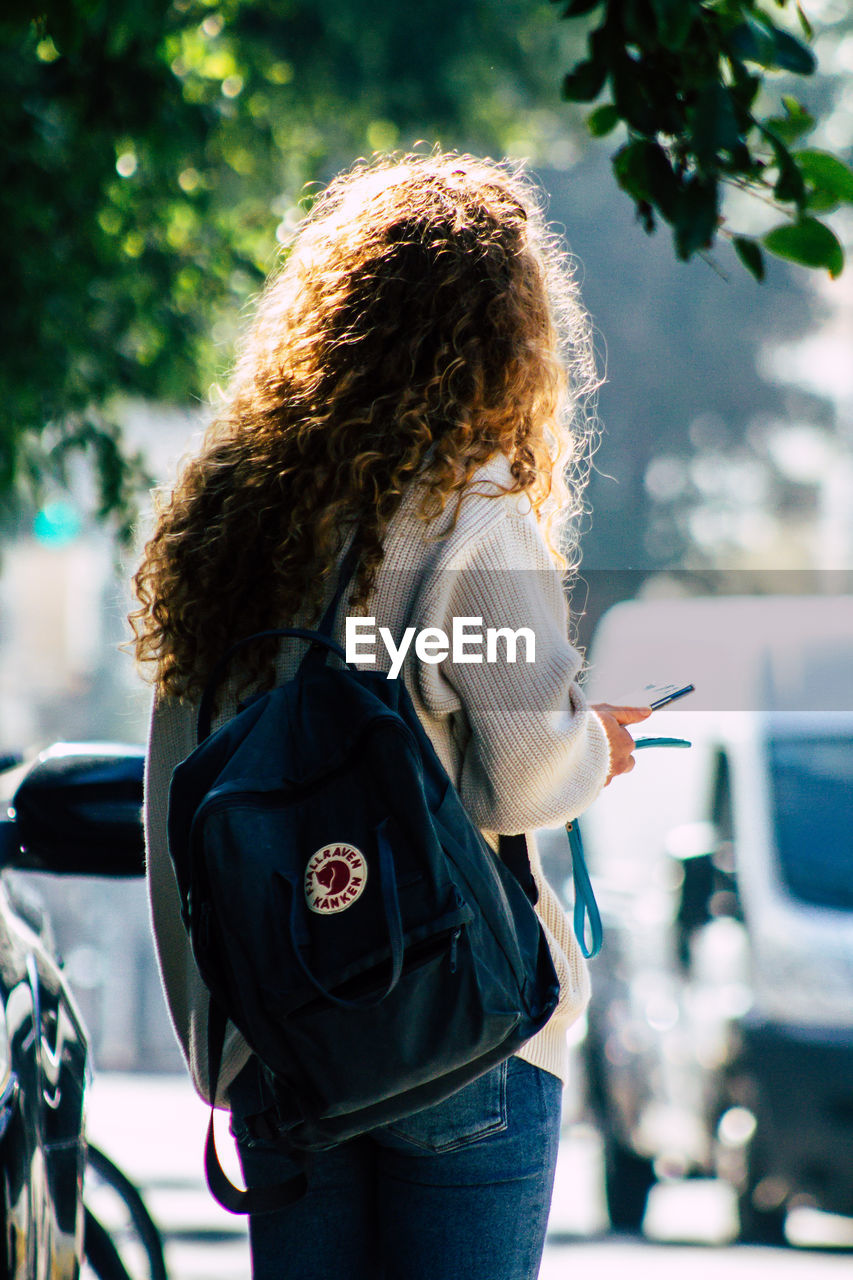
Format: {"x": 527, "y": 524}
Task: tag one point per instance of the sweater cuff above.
{"x": 599, "y": 741}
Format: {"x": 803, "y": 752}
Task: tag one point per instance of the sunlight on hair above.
{"x": 423, "y": 319}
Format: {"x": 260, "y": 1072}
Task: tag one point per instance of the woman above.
{"x": 411, "y": 372}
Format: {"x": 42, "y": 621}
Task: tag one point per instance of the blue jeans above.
{"x": 459, "y": 1191}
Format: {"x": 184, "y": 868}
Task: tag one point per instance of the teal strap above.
{"x": 586, "y": 907}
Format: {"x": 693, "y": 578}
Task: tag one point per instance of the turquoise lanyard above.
{"x": 586, "y": 908}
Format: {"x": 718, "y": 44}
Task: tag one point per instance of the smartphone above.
{"x": 660, "y": 695}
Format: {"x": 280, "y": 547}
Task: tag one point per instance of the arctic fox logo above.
{"x": 335, "y": 878}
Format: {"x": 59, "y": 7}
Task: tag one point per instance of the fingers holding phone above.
{"x": 615, "y": 718}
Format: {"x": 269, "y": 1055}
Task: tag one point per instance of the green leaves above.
{"x": 808, "y": 242}
{"x": 713, "y": 121}
{"x": 750, "y": 255}
{"x": 645, "y": 171}
{"x": 790, "y": 54}
{"x": 697, "y": 216}
{"x": 758, "y": 40}
{"x": 789, "y": 184}
{"x": 685, "y": 78}
{"x": 585, "y": 82}
{"x": 805, "y": 26}
{"x": 674, "y": 19}
{"x": 828, "y": 181}
{"x": 602, "y": 120}
{"x": 631, "y": 167}
{"x": 152, "y": 152}
{"x": 576, "y": 8}
{"x": 795, "y": 122}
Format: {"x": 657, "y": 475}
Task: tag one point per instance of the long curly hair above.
{"x": 424, "y": 319}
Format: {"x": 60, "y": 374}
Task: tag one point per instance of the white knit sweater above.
{"x": 517, "y": 739}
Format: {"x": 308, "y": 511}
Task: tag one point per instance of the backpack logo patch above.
{"x": 335, "y": 878}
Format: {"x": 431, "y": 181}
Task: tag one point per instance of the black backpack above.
{"x": 343, "y": 910}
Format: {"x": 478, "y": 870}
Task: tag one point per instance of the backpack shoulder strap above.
{"x": 513, "y": 852}
{"x": 345, "y": 573}
{"x": 321, "y": 641}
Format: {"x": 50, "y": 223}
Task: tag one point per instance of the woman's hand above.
{"x": 621, "y": 743}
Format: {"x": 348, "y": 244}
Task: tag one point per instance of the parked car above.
{"x": 74, "y": 811}
{"x": 720, "y": 1033}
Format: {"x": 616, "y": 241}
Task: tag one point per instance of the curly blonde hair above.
{"x": 424, "y": 319}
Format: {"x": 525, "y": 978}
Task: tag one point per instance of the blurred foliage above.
{"x": 685, "y": 473}
{"x": 154, "y": 155}
{"x": 686, "y": 79}
{"x": 151, "y": 152}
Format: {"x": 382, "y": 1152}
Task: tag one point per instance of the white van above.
{"x": 720, "y": 1034}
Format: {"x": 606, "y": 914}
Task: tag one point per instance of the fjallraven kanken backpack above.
{"x": 344, "y": 912}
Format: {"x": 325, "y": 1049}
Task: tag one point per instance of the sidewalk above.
{"x": 154, "y": 1128}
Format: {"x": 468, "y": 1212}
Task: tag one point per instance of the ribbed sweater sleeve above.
{"x": 532, "y": 752}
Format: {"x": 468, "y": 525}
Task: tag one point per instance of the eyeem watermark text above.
{"x": 465, "y": 643}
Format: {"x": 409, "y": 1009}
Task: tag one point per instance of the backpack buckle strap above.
{"x": 282, "y": 1114}
{"x": 265, "y": 1126}
{"x": 265, "y": 1106}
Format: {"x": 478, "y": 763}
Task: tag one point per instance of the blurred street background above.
{"x": 154, "y": 1127}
